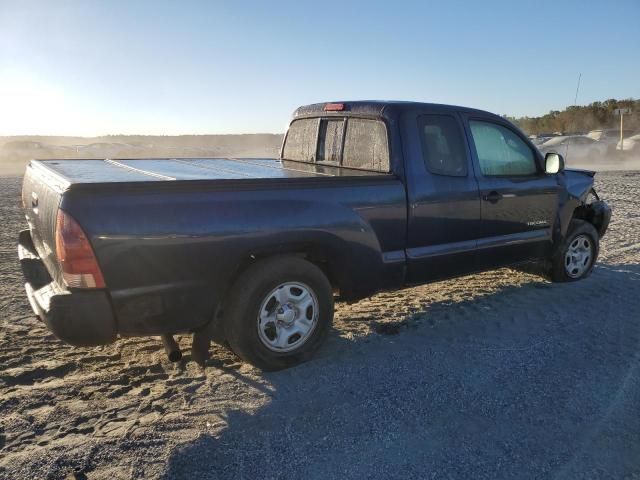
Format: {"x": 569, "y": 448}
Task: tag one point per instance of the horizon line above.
{"x": 142, "y": 135}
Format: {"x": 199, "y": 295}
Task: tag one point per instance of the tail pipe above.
{"x": 171, "y": 347}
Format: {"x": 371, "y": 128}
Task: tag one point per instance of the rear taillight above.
{"x": 80, "y": 268}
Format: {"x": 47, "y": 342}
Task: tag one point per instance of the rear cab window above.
{"x": 330, "y": 140}
{"x": 301, "y": 140}
{"x": 350, "y": 142}
{"x": 366, "y": 145}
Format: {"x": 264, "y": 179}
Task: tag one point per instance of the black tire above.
{"x": 577, "y": 228}
{"x": 244, "y": 304}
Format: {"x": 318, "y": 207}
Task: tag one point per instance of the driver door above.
{"x": 518, "y": 200}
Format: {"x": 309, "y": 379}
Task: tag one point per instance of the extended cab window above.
{"x": 301, "y": 140}
{"x": 366, "y": 145}
{"x": 500, "y": 151}
{"x": 443, "y": 146}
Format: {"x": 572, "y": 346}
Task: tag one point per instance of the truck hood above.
{"x": 579, "y": 182}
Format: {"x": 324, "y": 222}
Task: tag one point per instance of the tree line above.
{"x": 581, "y": 119}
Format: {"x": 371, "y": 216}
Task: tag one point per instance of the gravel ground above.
{"x": 498, "y": 375}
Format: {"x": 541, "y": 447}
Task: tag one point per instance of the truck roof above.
{"x": 379, "y": 108}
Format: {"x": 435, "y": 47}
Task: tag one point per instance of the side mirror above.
{"x": 553, "y": 163}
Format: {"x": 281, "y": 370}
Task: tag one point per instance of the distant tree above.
{"x": 574, "y": 119}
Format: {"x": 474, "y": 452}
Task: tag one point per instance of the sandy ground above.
{"x": 498, "y": 375}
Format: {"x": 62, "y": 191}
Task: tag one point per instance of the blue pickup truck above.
{"x": 366, "y": 196}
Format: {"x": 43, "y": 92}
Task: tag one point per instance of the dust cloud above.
{"x": 16, "y": 152}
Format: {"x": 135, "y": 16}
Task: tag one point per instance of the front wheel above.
{"x": 576, "y": 256}
{"x": 280, "y": 311}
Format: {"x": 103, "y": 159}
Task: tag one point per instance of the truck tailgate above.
{"x": 41, "y": 194}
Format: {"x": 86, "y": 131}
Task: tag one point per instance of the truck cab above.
{"x": 479, "y": 195}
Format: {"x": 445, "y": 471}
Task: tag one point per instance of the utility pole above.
{"x": 622, "y": 112}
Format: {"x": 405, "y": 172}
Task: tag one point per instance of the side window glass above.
{"x": 301, "y": 140}
{"x": 500, "y": 151}
{"x": 330, "y": 140}
{"x": 443, "y": 148}
{"x": 366, "y": 145}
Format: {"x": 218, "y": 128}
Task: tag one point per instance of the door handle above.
{"x": 492, "y": 197}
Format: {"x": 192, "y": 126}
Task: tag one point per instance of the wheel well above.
{"x": 319, "y": 258}
{"x": 313, "y": 256}
{"x": 587, "y": 213}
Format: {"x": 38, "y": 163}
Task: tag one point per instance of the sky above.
{"x": 206, "y": 67}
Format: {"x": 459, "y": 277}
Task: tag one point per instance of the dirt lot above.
{"x": 499, "y": 375}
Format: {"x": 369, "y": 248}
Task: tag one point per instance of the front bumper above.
{"x": 77, "y": 317}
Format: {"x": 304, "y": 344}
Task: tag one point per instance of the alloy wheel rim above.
{"x": 578, "y": 256}
{"x": 287, "y": 317}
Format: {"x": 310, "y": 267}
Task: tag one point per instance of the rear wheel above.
{"x": 575, "y": 258}
{"x": 280, "y": 312}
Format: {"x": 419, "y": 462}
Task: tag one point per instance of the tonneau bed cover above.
{"x": 72, "y": 171}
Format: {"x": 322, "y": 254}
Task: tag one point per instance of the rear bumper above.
{"x": 78, "y": 317}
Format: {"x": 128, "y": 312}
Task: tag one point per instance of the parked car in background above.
{"x": 540, "y": 138}
{"x": 630, "y": 144}
{"x": 608, "y": 135}
{"x": 575, "y": 147}
{"x": 537, "y": 140}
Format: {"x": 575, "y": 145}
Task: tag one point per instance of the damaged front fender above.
{"x": 579, "y": 183}
{"x": 581, "y": 201}
{"x": 597, "y": 213}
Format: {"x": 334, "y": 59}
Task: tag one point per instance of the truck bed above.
{"x": 74, "y": 171}
{"x": 168, "y": 234}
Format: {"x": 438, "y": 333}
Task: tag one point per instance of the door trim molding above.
{"x": 418, "y": 253}
{"x": 394, "y": 256}
{"x": 531, "y": 236}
